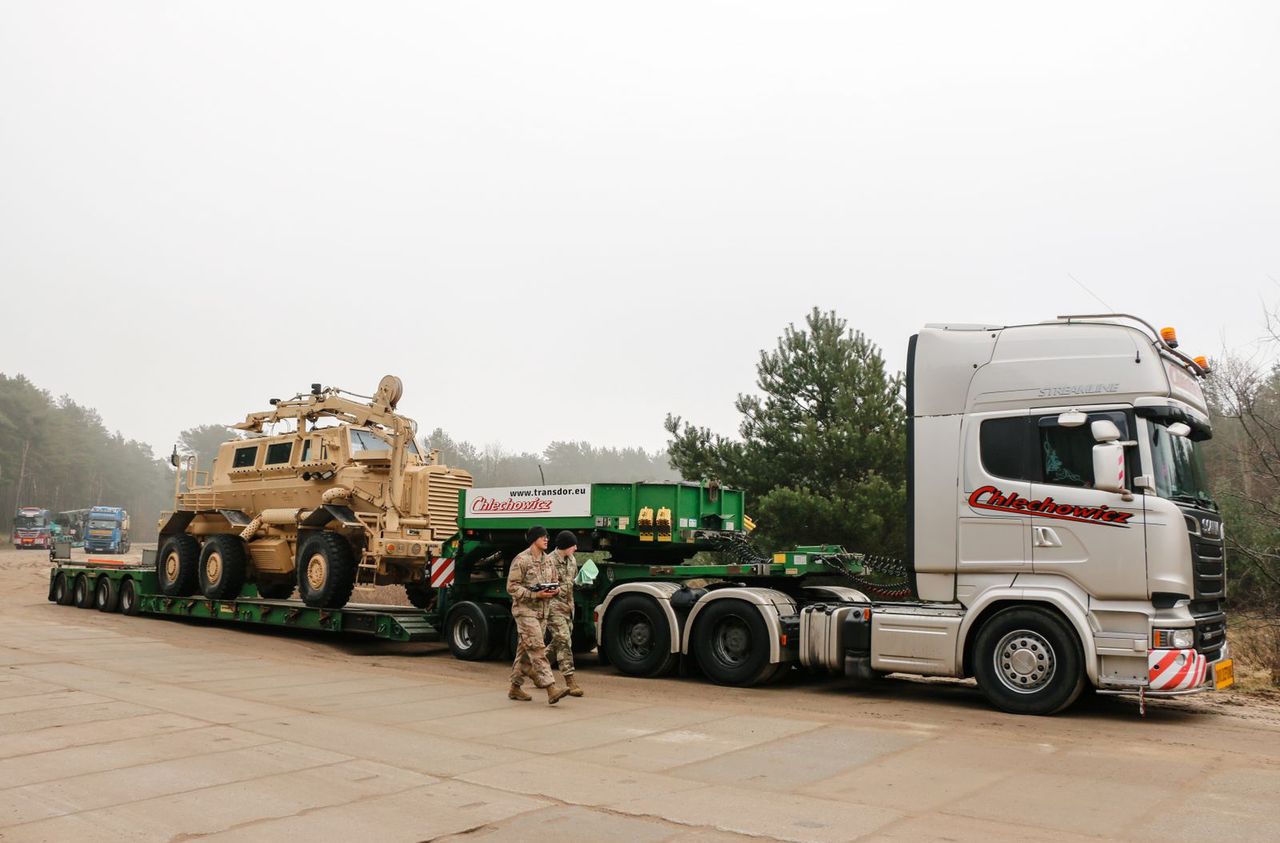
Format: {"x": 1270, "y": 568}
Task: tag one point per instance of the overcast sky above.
{"x": 562, "y": 221}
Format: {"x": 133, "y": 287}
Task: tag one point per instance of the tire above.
{"x": 276, "y": 590}
{"x": 420, "y": 593}
{"x": 128, "y": 598}
{"x": 326, "y": 571}
{"x": 178, "y": 566}
{"x": 1027, "y": 661}
{"x": 223, "y": 565}
{"x": 81, "y": 593}
{"x": 106, "y": 597}
{"x": 731, "y": 642}
{"x": 637, "y": 637}
{"x": 61, "y": 590}
{"x": 469, "y": 633}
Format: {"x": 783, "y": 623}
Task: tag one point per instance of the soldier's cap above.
{"x": 566, "y": 540}
{"x": 535, "y": 532}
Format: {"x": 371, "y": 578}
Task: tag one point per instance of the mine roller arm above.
{"x": 332, "y": 403}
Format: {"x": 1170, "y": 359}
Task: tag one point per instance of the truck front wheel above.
{"x": 1027, "y": 661}
{"x": 326, "y": 571}
{"x": 177, "y": 566}
{"x": 222, "y": 567}
{"x": 637, "y": 636}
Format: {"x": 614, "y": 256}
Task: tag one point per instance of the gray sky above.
{"x": 561, "y": 221}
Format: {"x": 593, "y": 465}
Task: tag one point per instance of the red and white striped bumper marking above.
{"x": 441, "y": 572}
{"x": 1175, "y": 670}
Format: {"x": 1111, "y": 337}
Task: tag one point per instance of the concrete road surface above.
{"x": 118, "y": 728}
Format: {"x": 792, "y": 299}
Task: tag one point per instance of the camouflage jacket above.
{"x": 527, "y": 571}
{"x": 567, "y": 568}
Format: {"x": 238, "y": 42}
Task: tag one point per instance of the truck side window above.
{"x": 278, "y": 453}
{"x": 245, "y": 457}
{"x": 1005, "y": 448}
{"x": 1066, "y": 453}
{"x": 306, "y": 450}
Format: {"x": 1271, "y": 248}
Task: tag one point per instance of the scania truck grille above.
{"x": 1207, "y": 555}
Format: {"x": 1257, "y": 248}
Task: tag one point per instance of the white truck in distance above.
{"x": 1061, "y": 532}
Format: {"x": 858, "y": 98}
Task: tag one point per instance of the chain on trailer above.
{"x": 743, "y": 552}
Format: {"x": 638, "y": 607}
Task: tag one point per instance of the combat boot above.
{"x": 555, "y": 694}
{"x": 575, "y": 690}
{"x": 517, "y": 693}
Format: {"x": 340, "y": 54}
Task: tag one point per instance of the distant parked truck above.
{"x": 32, "y": 527}
{"x": 108, "y": 530}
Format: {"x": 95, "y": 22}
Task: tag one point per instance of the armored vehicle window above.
{"x": 363, "y": 440}
{"x": 278, "y": 453}
{"x": 306, "y": 450}
{"x": 1066, "y": 453}
{"x": 1005, "y": 447}
{"x": 245, "y": 457}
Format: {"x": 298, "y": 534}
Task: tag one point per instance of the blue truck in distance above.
{"x": 108, "y": 530}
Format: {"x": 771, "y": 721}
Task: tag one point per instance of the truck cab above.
{"x": 107, "y": 530}
{"x": 32, "y": 528}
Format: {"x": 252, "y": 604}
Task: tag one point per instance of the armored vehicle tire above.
{"x": 82, "y": 594}
{"x": 731, "y": 642}
{"x": 326, "y": 571}
{"x": 276, "y": 590}
{"x": 128, "y": 598}
{"x": 419, "y": 593}
{"x": 1027, "y": 661}
{"x": 178, "y": 566}
{"x": 637, "y": 637}
{"x": 61, "y": 591}
{"x": 222, "y": 567}
{"x": 106, "y": 596}
{"x": 469, "y": 633}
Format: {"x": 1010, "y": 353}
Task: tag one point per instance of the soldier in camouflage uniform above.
{"x": 560, "y": 621}
{"x": 529, "y": 611}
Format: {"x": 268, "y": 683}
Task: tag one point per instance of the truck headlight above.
{"x": 1173, "y": 639}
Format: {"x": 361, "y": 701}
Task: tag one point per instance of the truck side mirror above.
{"x": 1179, "y": 429}
{"x": 1108, "y": 466}
{"x": 1104, "y": 430}
{"x": 1072, "y": 418}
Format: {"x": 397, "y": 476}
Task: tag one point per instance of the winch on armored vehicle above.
{"x": 322, "y": 508}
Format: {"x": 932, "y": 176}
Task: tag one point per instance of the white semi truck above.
{"x": 1061, "y": 531}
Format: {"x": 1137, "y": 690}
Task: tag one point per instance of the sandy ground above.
{"x": 114, "y": 727}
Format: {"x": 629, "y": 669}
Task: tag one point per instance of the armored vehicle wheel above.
{"x": 326, "y": 571}
{"x": 1027, "y": 661}
{"x": 276, "y": 590}
{"x": 637, "y": 637}
{"x": 222, "y": 567}
{"x": 177, "y": 566}
{"x": 128, "y": 598}
{"x": 469, "y": 633}
{"x": 106, "y": 597}
{"x": 81, "y": 593}
{"x": 61, "y": 590}
{"x": 731, "y": 641}
{"x": 419, "y": 593}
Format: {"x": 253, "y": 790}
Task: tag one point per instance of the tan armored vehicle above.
{"x": 325, "y": 508}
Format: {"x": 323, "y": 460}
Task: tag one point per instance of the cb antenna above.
{"x": 1080, "y": 283}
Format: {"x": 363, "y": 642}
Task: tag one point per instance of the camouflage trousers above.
{"x": 531, "y": 653}
{"x": 561, "y": 627}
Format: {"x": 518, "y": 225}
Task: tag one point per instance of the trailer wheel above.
{"x": 276, "y": 590}
{"x": 731, "y": 642}
{"x": 106, "y": 596}
{"x": 469, "y": 633}
{"x": 177, "y": 566}
{"x": 128, "y": 598}
{"x": 81, "y": 592}
{"x": 419, "y": 593}
{"x": 1027, "y": 661}
{"x": 222, "y": 567}
{"x": 327, "y": 571}
{"x": 61, "y": 592}
{"x": 637, "y": 637}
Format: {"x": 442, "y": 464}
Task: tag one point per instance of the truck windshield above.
{"x": 29, "y": 522}
{"x": 99, "y": 523}
{"x": 1179, "y": 467}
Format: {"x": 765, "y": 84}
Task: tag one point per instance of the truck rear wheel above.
{"x": 106, "y": 596}
{"x": 637, "y": 637}
{"x": 276, "y": 590}
{"x": 128, "y": 598}
{"x": 731, "y": 641}
{"x": 326, "y": 571}
{"x": 177, "y": 566}
{"x": 469, "y": 633}
{"x": 222, "y": 567}
{"x": 1027, "y": 661}
{"x": 81, "y": 593}
{"x": 61, "y": 590}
